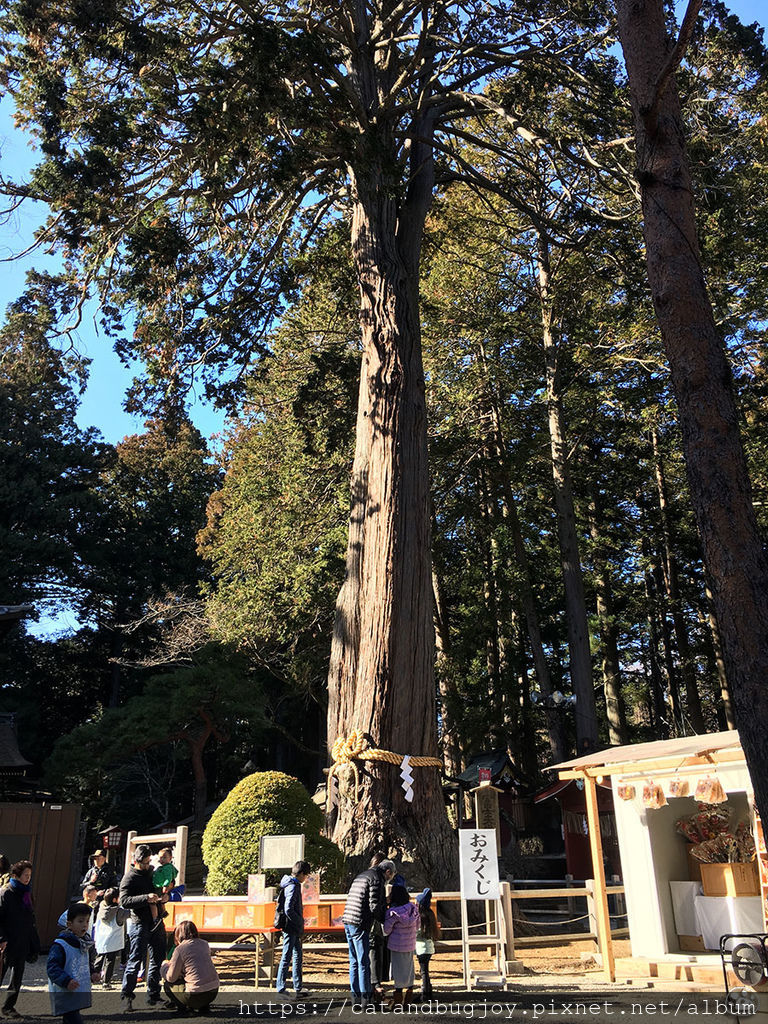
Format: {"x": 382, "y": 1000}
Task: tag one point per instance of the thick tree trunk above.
{"x": 669, "y": 564}
{"x": 381, "y": 675}
{"x": 573, "y": 582}
{"x": 734, "y": 551}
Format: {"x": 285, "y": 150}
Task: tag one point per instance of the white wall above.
{"x": 653, "y": 854}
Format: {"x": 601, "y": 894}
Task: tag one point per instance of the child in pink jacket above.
{"x": 401, "y": 924}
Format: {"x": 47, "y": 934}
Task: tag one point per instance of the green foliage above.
{"x": 152, "y": 501}
{"x": 49, "y": 465}
{"x": 276, "y": 532}
{"x": 189, "y": 706}
{"x": 264, "y": 804}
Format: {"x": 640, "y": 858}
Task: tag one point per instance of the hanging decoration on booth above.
{"x": 625, "y": 791}
{"x": 678, "y": 787}
{"x": 653, "y": 795}
{"x": 710, "y": 791}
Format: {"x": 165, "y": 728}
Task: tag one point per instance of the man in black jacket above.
{"x": 101, "y": 873}
{"x": 145, "y": 930}
{"x": 366, "y": 903}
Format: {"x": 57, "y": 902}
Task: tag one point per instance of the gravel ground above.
{"x": 554, "y": 990}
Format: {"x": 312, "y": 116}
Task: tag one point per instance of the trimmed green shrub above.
{"x": 265, "y": 804}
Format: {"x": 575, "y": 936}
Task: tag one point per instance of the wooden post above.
{"x": 589, "y": 885}
{"x": 465, "y": 942}
{"x": 571, "y": 903}
{"x": 601, "y": 897}
{"x": 180, "y": 853}
{"x": 490, "y": 926}
{"x": 510, "y": 964}
{"x": 618, "y": 900}
{"x": 129, "y": 850}
{"x": 486, "y": 799}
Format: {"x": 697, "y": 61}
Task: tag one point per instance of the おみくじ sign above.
{"x": 478, "y": 862}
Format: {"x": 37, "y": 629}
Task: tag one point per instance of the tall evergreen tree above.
{"x": 205, "y": 137}
{"x": 734, "y": 548}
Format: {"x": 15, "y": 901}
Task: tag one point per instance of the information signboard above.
{"x": 280, "y": 851}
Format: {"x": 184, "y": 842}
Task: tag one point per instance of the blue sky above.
{"x": 102, "y": 403}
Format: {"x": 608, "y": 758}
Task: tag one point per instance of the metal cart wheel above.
{"x": 748, "y": 963}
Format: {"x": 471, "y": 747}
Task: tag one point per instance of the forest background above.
{"x": 201, "y": 572}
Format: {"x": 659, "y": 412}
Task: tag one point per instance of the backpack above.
{"x": 280, "y": 919}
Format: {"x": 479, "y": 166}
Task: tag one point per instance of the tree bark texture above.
{"x": 573, "y": 581}
{"x": 734, "y": 552}
{"x": 381, "y": 675}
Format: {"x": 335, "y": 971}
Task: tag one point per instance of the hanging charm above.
{"x": 406, "y": 774}
{"x": 710, "y": 791}
{"x": 653, "y": 795}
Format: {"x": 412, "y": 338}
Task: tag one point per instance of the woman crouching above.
{"x": 189, "y": 978}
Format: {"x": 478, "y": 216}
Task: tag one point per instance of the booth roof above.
{"x": 634, "y": 753}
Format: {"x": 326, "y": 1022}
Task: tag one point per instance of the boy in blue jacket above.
{"x": 69, "y": 967}
{"x": 292, "y": 924}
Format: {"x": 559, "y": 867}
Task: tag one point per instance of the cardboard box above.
{"x": 694, "y": 865}
{"x": 691, "y": 944}
{"x": 730, "y": 879}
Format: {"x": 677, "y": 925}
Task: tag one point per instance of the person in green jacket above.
{"x": 164, "y": 876}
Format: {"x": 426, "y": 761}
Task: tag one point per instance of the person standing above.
{"x": 401, "y": 924}
{"x": 366, "y": 903}
{"x": 147, "y": 932}
{"x": 69, "y": 967}
{"x": 293, "y": 927}
{"x": 378, "y": 941}
{"x": 109, "y": 935}
{"x": 19, "y": 940}
{"x": 100, "y": 873}
{"x": 426, "y": 936}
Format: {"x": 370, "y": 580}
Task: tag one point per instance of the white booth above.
{"x": 667, "y": 909}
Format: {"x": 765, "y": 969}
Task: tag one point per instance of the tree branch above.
{"x": 650, "y": 113}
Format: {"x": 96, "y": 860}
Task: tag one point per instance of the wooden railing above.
{"x": 234, "y": 915}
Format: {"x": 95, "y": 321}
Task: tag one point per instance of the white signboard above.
{"x": 280, "y": 851}
{"x": 478, "y": 863}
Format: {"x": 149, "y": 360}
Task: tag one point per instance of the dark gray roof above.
{"x": 503, "y": 770}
